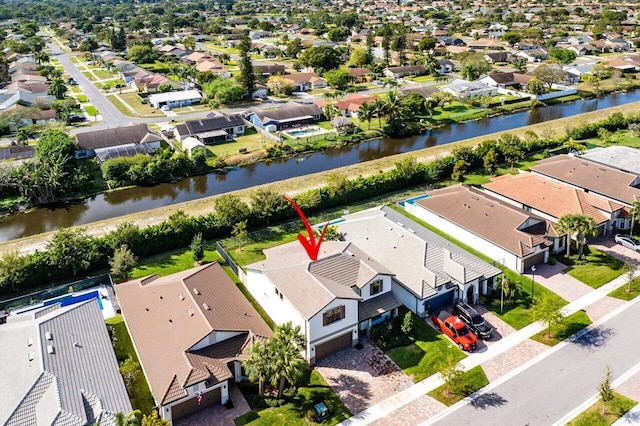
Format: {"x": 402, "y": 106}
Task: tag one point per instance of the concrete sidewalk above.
{"x": 418, "y": 390}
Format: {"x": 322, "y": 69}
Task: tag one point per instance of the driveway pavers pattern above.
{"x": 219, "y": 415}
{"x": 513, "y": 358}
{"x": 414, "y": 413}
{"x": 564, "y": 285}
{"x": 359, "y": 384}
{"x": 608, "y": 245}
{"x": 602, "y": 307}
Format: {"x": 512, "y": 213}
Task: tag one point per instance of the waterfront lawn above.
{"x": 615, "y": 410}
{"x": 170, "y": 262}
{"x": 421, "y": 359}
{"x": 599, "y": 268}
{"x": 140, "y": 396}
{"x": 311, "y": 387}
{"x": 251, "y": 250}
{"x": 564, "y": 329}
{"x": 622, "y": 293}
{"x": 252, "y": 140}
{"x": 470, "y": 382}
{"x": 457, "y": 111}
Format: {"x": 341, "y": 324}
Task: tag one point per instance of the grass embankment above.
{"x": 295, "y": 185}
{"x": 470, "y": 382}
{"x": 627, "y": 291}
{"x": 140, "y": 394}
{"x": 564, "y": 329}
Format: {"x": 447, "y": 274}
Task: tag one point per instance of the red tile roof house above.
{"x": 350, "y": 105}
{"x": 511, "y": 236}
{"x": 191, "y": 331}
{"x": 551, "y": 200}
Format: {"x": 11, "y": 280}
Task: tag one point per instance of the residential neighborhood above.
{"x": 265, "y": 213}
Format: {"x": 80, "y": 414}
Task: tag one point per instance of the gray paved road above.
{"x": 550, "y": 389}
{"x": 110, "y": 115}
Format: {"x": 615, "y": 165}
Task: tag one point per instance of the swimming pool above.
{"x": 72, "y": 299}
{"x": 304, "y": 131}
{"x": 414, "y": 199}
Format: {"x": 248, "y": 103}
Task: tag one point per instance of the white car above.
{"x": 627, "y": 241}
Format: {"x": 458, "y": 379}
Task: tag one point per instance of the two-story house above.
{"x": 328, "y": 298}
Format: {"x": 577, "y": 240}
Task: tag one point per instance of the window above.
{"x": 376, "y": 287}
{"x": 333, "y": 315}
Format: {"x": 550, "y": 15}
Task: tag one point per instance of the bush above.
{"x": 389, "y": 334}
{"x": 274, "y": 402}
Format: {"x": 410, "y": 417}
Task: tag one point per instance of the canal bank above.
{"x": 295, "y": 185}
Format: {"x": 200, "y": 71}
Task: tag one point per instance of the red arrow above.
{"x": 310, "y": 245}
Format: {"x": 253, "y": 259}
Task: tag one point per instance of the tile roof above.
{"x": 309, "y": 285}
{"x": 414, "y": 254}
{"x": 169, "y": 316}
{"x": 76, "y": 382}
{"x": 551, "y": 197}
{"x": 596, "y": 178}
{"x": 377, "y": 305}
{"x": 495, "y": 221}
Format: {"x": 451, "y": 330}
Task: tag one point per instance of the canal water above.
{"x": 138, "y": 199}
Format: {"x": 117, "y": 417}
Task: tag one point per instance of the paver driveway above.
{"x": 362, "y": 377}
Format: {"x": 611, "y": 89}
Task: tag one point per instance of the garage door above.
{"x": 439, "y": 301}
{"x": 333, "y": 346}
{"x": 533, "y": 260}
{"x": 187, "y": 408}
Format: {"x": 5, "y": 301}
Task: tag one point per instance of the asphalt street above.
{"x": 545, "y": 392}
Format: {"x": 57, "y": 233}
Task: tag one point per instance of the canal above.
{"x": 118, "y": 203}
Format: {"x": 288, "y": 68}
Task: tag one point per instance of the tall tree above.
{"x": 369, "y": 44}
{"x": 285, "y": 352}
{"x": 197, "y": 247}
{"x": 71, "y": 250}
{"x": 366, "y": 113}
{"x": 258, "y": 365}
{"x": 122, "y": 262}
{"x": 266, "y": 203}
{"x": 547, "y": 310}
{"x": 12, "y": 269}
{"x": 581, "y": 226}
{"x": 386, "y": 43}
{"x": 247, "y": 77}
{"x": 230, "y": 209}
{"x": 635, "y": 211}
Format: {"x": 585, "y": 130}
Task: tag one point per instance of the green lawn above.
{"x": 470, "y": 382}
{"x": 252, "y": 249}
{"x": 457, "y": 111}
{"x": 563, "y": 330}
{"x": 82, "y": 98}
{"x": 89, "y": 75}
{"x": 313, "y": 387}
{"x": 173, "y": 261}
{"x": 420, "y": 359}
{"x": 622, "y": 293}
{"x": 599, "y": 269}
{"x": 91, "y": 110}
{"x": 516, "y": 314}
{"x": 141, "y": 398}
{"x": 130, "y": 99}
{"x": 421, "y": 78}
{"x": 615, "y": 409}
{"x": 102, "y": 74}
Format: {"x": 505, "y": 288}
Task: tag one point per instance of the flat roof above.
{"x": 619, "y": 157}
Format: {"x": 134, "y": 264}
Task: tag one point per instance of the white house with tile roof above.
{"x": 324, "y": 297}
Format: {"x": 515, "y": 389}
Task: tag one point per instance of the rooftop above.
{"x": 622, "y": 158}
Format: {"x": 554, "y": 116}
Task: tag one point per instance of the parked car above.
{"x": 456, "y": 330}
{"x": 77, "y": 118}
{"x": 627, "y": 241}
{"x": 473, "y": 319}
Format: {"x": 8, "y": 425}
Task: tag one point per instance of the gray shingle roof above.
{"x": 286, "y": 112}
{"x": 204, "y": 125}
{"x": 137, "y": 133}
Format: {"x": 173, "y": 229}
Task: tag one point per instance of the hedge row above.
{"x": 179, "y": 229}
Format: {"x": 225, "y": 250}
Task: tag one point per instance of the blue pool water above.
{"x": 303, "y": 132}
{"x": 414, "y": 199}
{"x": 72, "y": 300}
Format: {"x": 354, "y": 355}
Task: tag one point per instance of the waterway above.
{"x": 118, "y": 203}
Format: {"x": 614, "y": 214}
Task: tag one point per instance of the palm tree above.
{"x": 430, "y": 64}
{"x": 366, "y": 112}
{"x": 391, "y": 83}
{"x": 24, "y": 134}
{"x": 430, "y": 104}
{"x": 57, "y": 88}
{"x": 331, "y": 111}
{"x": 581, "y": 226}
{"x": 635, "y": 211}
{"x": 379, "y": 110}
{"x": 286, "y": 359}
{"x": 131, "y": 419}
{"x": 224, "y": 58}
{"x": 258, "y": 365}
{"x": 393, "y": 106}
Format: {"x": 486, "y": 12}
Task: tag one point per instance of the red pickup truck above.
{"x": 455, "y": 329}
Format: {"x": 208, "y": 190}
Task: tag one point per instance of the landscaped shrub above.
{"x": 389, "y": 334}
